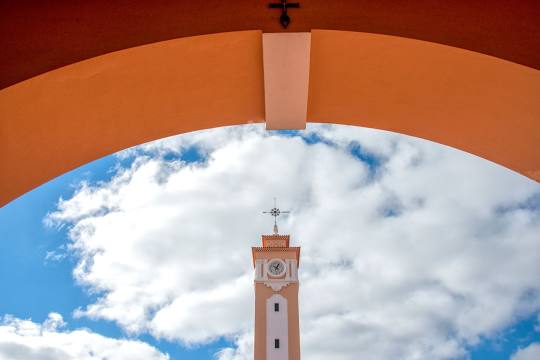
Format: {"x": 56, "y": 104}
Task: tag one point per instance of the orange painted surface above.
{"x": 291, "y": 293}
{"x": 262, "y": 293}
{"x": 37, "y": 36}
{"x": 65, "y": 118}
{"x": 474, "y": 102}
{"x": 292, "y": 252}
{"x": 286, "y": 79}
{"x": 57, "y": 121}
{"x": 270, "y": 240}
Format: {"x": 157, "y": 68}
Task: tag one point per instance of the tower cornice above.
{"x": 295, "y": 249}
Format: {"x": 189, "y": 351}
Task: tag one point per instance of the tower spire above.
{"x": 277, "y": 331}
{"x": 275, "y": 212}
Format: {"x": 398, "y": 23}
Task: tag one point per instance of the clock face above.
{"x": 276, "y": 267}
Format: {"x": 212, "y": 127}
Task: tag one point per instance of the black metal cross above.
{"x": 284, "y": 19}
{"x": 275, "y": 212}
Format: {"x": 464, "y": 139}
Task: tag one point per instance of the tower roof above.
{"x": 278, "y": 243}
{"x": 275, "y": 240}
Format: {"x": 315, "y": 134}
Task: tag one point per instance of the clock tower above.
{"x": 277, "y": 333}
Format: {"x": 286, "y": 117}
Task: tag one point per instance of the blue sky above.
{"x": 33, "y": 286}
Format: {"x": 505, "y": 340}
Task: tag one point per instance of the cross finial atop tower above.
{"x": 275, "y": 212}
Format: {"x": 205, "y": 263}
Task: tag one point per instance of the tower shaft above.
{"x": 277, "y": 331}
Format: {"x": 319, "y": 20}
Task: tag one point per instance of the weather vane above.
{"x": 275, "y": 212}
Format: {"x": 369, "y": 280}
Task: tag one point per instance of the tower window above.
{"x": 276, "y": 343}
{"x": 276, "y": 306}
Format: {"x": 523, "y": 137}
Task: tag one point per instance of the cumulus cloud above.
{"x": 531, "y": 352}
{"x": 410, "y": 249}
{"x": 242, "y": 351}
{"x": 25, "y": 339}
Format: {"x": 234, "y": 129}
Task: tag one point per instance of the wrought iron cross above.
{"x": 275, "y": 212}
{"x": 284, "y": 19}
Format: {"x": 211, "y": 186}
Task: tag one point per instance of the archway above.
{"x": 69, "y": 116}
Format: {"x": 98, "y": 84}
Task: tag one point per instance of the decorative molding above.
{"x": 295, "y": 249}
{"x": 261, "y": 274}
{"x": 275, "y": 285}
{"x": 276, "y": 236}
{"x": 276, "y": 243}
{"x": 275, "y": 240}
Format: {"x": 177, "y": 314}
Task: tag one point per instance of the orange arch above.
{"x": 64, "y": 118}
{"x": 77, "y": 30}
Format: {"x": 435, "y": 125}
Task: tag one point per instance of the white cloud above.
{"x": 204, "y": 141}
{"x": 415, "y": 255}
{"x": 531, "y": 352}
{"x": 55, "y": 255}
{"x": 242, "y": 351}
{"x": 27, "y": 340}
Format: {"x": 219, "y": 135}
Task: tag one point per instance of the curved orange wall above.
{"x": 73, "y": 115}
{"x": 37, "y": 36}
{"x": 70, "y": 116}
{"x": 471, "y": 101}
